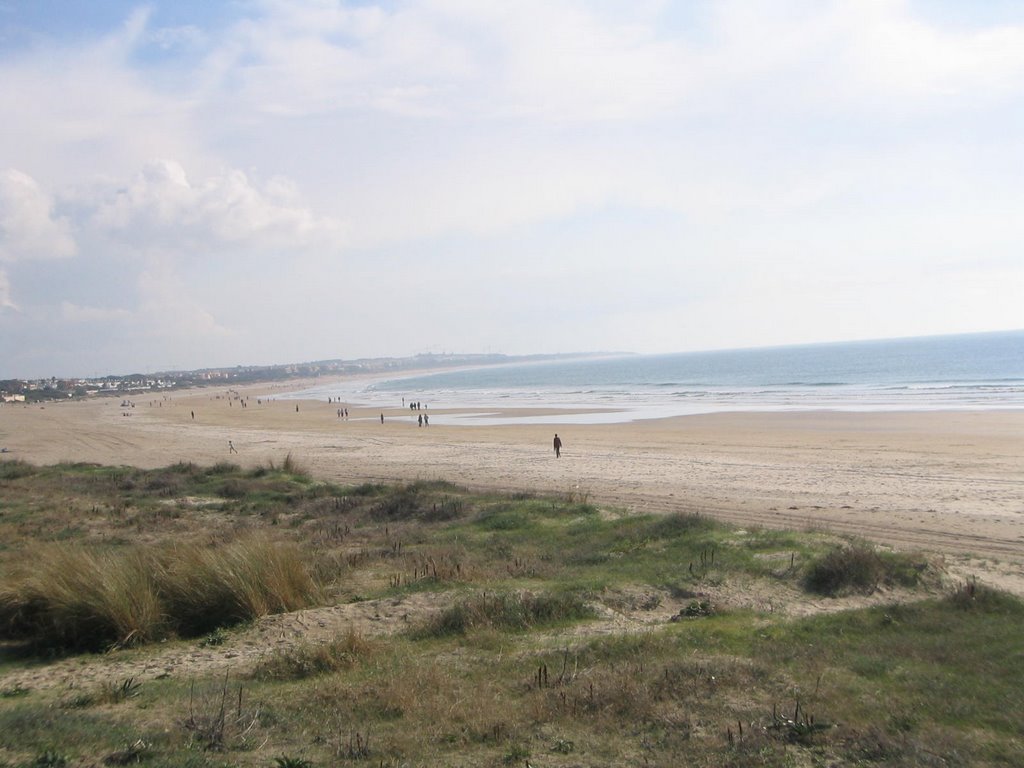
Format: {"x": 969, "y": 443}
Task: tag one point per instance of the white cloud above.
{"x": 566, "y": 62}
{"x": 450, "y": 60}
{"x": 570, "y": 61}
{"x": 74, "y": 313}
{"x": 169, "y": 312}
{"x": 898, "y": 53}
{"x": 161, "y": 206}
{"x": 28, "y": 227}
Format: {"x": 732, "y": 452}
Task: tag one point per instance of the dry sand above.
{"x": 949, "y": 482}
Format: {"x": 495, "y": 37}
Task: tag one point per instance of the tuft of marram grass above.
{"x": 205, "y": 588}
{"x": 62, "y": 596}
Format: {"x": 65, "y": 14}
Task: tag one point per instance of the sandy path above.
{"x": 244, "y": 648}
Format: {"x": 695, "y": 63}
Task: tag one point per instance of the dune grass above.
{"x": 62, "y": 596}
{"x": 518, "y": 659}
{"x": 207, "y": 587}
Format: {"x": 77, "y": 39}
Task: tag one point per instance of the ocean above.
{"x": 962, "y": 372}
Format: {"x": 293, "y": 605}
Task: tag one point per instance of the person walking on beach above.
{"x": 421, "y": 419}
{"x": 231, "y": 447}
{"x": 558, "y": 446}
{"x": 382, "y": 418}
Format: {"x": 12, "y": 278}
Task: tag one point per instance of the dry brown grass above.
{"x": 65, "y": 596}
{"x": 307, "y": 660}
{"x": 205, "y": 588}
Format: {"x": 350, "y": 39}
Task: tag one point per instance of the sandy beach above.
{"x": 948, "y": 482}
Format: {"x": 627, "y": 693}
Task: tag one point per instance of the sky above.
{"x": 189, "y": 183}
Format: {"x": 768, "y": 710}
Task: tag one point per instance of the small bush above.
{"x": 435, "y": 485}
{"x": 449, "y": 508}
{"x": 233, "y": 488}
{"x": 679, "y": 524}
{"x": 972, "y": 596}
{"x": 401, "y": 504}
{"x": 502, "y": 519}
{"x": 222, "y": 468}
{"x": 12, "y": 469}
{"x": 368, "y": 489}
{"x": 845, "y": 569}
{"x": 906, "y": 569}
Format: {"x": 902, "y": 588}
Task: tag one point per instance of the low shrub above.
{"x": 367, "y": 489}
{"x": 859, "y": 568}
{"x": 972, "y": 596}
{"x": 855, "y": 568}
{"x": 222, "y": 468}
{"x": 679, "y": 524}
{"x": 401, "y": 504}
{"x": 12, "y": 469}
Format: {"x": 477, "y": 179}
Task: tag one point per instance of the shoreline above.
{"x": 567, "y": 406}
{"x": 944, "y": 481}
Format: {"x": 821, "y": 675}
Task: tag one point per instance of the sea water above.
{"x": 963, "y": 372}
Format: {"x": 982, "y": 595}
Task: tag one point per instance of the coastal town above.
{"x": 55, "y": 388}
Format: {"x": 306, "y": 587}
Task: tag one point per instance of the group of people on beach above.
{"x": 422, "y": 420}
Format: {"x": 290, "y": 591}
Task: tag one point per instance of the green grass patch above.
{"x": 920, "y": 662}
